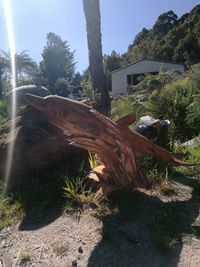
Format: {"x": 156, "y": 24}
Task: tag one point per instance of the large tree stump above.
{"x": 113, "y": 142}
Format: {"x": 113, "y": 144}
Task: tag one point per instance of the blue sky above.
{"x": 121, "y": 20}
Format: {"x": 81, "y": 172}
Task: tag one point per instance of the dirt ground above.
{"x": 145, "y": 230}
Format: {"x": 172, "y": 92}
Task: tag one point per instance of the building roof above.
{"x": 155, "y": 60}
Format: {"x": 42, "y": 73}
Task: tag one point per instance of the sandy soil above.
{"x": 125, "y": 237}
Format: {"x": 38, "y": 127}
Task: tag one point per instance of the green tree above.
{"x": 62, "y": 87}
{"x": 23, "y": 63}
{"x": 93, "y": 22}
{"x": 58, "y": 61}
{"x": 77, "y": 79}
{"x": 164, "y": 23}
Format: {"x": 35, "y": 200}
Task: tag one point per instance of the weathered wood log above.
{"x": 113, "y": 142}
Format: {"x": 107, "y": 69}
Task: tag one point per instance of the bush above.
{"x": 172, "y": 103}
{"x": 92, "y": 95}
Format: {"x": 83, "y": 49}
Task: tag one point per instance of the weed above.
{"x": 158, "y": 176}
{"x": 77, "y": 193}
{"x": 60, "y": 249}
{"x": 24, "y": 257}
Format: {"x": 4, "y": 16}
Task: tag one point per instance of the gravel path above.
{"x": 123, "y": 238}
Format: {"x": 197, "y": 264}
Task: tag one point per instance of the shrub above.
{"x": 172, "y": 103}
{"x": 93, "y": 96}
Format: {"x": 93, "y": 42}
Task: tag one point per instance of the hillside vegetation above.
{"x": 170, "y": 39}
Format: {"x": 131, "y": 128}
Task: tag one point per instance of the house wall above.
{"x": 119, "y": 78}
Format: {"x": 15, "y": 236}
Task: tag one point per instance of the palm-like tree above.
{"x": 23, "y": 63}
{"x": 93, "y": 22}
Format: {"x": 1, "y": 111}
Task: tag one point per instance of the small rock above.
{"x": 3, "y": 243}
{"x": 80, "y": 250}
{"x": 74, "y": 263}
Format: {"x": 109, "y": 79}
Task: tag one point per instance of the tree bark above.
{"x": 93, "y": 22}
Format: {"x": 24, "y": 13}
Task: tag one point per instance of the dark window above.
{"x": 128, "y": 79}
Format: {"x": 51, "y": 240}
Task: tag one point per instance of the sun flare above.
{"x": 11, "y": 41}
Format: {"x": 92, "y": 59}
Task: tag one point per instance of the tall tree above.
{"x": 58, "y": 61}
{"x": 93, "y": 22}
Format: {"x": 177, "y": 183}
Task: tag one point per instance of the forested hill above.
{"x": 170, "y": 39}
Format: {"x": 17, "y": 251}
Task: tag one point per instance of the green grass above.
{"x": 75, "y": 190}
{"x": 79, "y": 196}
{"x": 10, "y": 211}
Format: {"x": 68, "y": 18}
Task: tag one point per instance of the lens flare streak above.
{"x": 10, "y": 32}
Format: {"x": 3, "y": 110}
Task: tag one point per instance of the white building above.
{"x": 127, "y": 76}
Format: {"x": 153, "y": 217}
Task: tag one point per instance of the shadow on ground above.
{"x": 42, "y": 197}
{"x": 146, "y": 231}
{"x": 42, "y": 204}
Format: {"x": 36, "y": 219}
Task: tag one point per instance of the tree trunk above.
{"x": 93, "y": 22}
